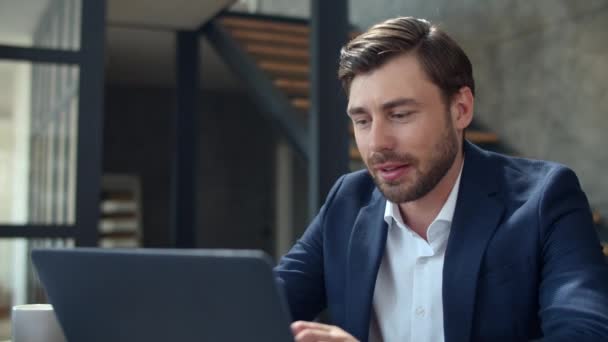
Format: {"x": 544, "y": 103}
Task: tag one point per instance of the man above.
{"x": 439, "y": 240}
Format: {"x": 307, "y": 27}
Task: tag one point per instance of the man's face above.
{"x": 403, "y": 128}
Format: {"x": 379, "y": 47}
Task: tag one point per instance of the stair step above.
{"x": 301, "y": 103}
{"x": 245, "y": 36}
{"x": 353, "y": 152}
{"x": 291, "y": 86}
{"x": 265, "y": 25}
{"x": 266, "y": 51}
{"x": 282, "y": 68}
{"x": 597, "y": 217}
{"x": 480, "y": 137}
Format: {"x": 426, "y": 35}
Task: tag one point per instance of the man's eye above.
{"x": 361, "y": 122}
{"x": 400, "y": 115}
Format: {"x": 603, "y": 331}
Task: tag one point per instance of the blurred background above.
{"x": 220, "y": 124}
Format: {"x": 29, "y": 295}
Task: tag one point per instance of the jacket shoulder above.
{"x": 524, "y": 176}
{"x": 358, "y": 186}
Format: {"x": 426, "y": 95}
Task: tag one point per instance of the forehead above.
{"x": 401, "y": 77}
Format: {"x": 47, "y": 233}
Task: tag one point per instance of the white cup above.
{"x": 35, "y": 323}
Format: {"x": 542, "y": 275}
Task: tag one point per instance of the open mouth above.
{"x": 391, "y": 173}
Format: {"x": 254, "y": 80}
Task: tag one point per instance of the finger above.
{"x": 298, "y": 326}
{"x": 313, "y": 335}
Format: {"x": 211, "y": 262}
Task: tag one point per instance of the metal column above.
{"x": 90, "y": 122}
{"x": 185, "y": 168}
{"x": 328, "y": 122}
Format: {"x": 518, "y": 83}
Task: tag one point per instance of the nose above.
{"x": 381, "y": 137}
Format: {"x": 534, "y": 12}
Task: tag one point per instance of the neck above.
{"x": 419, "y": 214}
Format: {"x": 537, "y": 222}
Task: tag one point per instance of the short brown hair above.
{"x": 441, "y": 57}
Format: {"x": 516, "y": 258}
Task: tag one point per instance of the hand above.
{"x": 316, "y": 332}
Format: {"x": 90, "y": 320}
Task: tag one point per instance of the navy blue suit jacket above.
{"x": 522, "y": 261}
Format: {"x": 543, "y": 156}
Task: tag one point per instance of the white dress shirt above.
{"x": 408, "y": 304}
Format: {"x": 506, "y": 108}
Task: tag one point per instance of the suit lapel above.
{"x": 477, "y": 215}
{"x": 366, "y": 248}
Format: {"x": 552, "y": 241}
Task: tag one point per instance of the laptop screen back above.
{"x": 163, "y": 295}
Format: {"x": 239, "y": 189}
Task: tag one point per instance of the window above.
{"x": 51, "y": 74}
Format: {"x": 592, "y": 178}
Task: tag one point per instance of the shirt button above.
{"x": 421, "y": 261}
{"x": 420, "y": 311}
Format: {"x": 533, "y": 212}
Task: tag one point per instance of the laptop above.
{"x": 163, "y": 295}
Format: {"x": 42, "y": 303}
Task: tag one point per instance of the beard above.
{"x": 425, "y": 177}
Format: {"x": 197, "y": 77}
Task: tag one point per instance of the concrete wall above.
{"x": 236, "y": 164}
{"x": 546, "y": 92}
{"x": 540, "y": 68}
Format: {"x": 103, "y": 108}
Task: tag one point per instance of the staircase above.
{"x": 280, "y": 47}
{"x": 120, "y": 211}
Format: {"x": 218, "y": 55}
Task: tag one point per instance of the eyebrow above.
{"x": 385, "y": 106}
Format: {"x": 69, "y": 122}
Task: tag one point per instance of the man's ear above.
{"x": 463, "y": 103}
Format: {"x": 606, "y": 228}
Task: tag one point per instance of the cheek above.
{"x": 412, "y": 138}
{"x": 361, "y": 142}
{"x": 362, "y": 147}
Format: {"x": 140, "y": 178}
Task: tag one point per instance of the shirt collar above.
{"x": 446, "y": 214}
